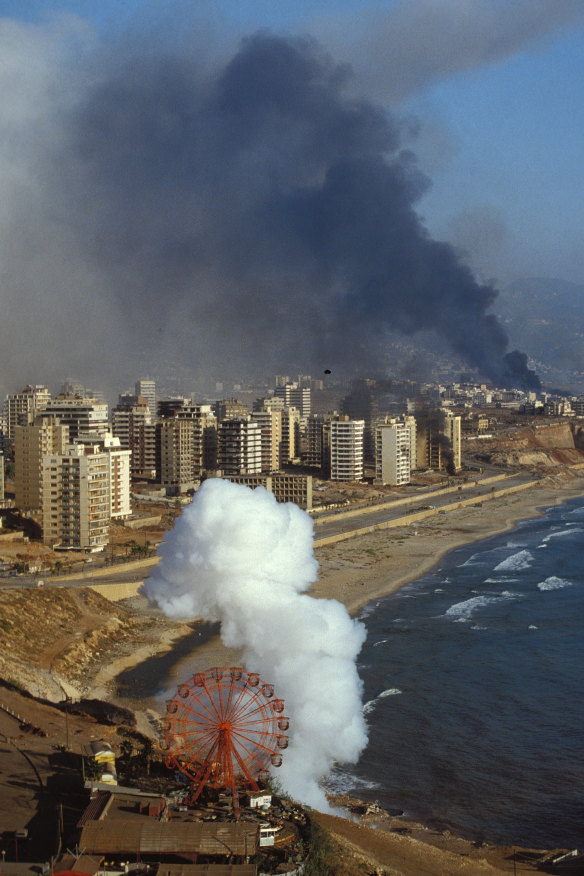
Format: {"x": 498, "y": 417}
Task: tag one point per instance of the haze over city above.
{"x": 272, "y": 188}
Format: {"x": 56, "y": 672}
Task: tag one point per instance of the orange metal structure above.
{"x": 224, "y": 729}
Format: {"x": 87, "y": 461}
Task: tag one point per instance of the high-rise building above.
{"x": 119, "y": 478}
{"x": 395, "y": 448}
{"x": 240, "y": 447}
{"x": 439, "y": 441}
{"x": 176, "y": 453}
{"x": 1, "y": 477}
{"x": 229, "y": 409}
{"x": 346, "y": 449}
{"x": 76, "y": 498}
{"x": 313, "y": 442}
{"x": 132, "y": 424}
{"x": 146, "y": 388}
{"x": 270, "y": 423}
{"x": 295, "y": 396}
{"x": 82, "y": 489}
{"x": 82, "y": 415}
{"x": 21, "y": 407}
{"x": 362, "y": 404}
{"x": 189, "y": 447}
{"x": 45, "y": 437}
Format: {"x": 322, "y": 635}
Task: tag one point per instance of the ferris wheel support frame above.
{"x": 224, "y": 729}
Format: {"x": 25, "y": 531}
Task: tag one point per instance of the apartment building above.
{"x": 240, "y": 447}
{"x": 229, "y": 409}
{"x": 81, "y": 415}
{"x": 132, "y": 423}
{"x": 270, "y": 423}
{"x": 313, "y": 447}
{"x": 295, "y": 396}
{"x": 290, "y": 441}
{"x": 45, "y": 437}
{"x": 395, "y": 451}
{"x": 76, "y": 498}
{"x": 20, "y": 408}
{"x": 346, "y": 449}
{"x": 146, "y": 389}
{"x": 439, "y": 442}
{"x": 189, "y": 447}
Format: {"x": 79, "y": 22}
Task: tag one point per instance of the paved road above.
{"x": 328, "y": 526}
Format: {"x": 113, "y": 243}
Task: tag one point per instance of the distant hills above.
{"x": 545, "y": 318}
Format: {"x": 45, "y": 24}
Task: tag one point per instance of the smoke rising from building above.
{"x": 238, "y": 557}
{"x": 249, "y": 209}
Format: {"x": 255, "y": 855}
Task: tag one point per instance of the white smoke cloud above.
{"x": 237, "y": 556}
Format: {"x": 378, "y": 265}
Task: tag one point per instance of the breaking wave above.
{"x": 554, "y": 583}
{"x": 516, "y": 562}
{"x": 562, "y": 533}
{"x": 462, "y": 611}
{"x": 370, "y": 705}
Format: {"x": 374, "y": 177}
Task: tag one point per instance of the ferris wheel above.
{"x": 224, "y": 729}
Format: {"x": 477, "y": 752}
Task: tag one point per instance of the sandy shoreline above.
{"x": 361, "y": 570}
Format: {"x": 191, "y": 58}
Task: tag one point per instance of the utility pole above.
{"x": 67, "y": 722}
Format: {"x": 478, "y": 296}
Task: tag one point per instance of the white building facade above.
{"x": 346, "y": 449}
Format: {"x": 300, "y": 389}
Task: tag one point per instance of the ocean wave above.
{"x": 504, "y": 579}
{"x": 381, "y": 642}
{"x": 562, "y": 533}
{"x": 554, "y": 583}
{"x": 462, "y": 611}
{"x": 474, "y": 560}
{"x": 516, "y": 562}
{"x": 368, "y": 610}
{"x": 341, "y": 783}
{"x": 370, "y": 705}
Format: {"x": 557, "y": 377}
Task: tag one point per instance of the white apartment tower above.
{"x": 119, "y": 477}
{"x": 395, "y": 451}
{"x": 240, "y": 447}
{"x": 21, "y": 407}
{"x": 346, "y": 449}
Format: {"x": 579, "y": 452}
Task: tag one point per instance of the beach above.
{"x": 358, "y": 571}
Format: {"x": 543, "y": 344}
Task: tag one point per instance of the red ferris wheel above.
{"x": 224, "y": 729}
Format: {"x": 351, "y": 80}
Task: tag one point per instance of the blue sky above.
{"x": 500, "y": 134}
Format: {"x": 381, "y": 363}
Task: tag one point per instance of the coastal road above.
{"x": 331, "y": 525}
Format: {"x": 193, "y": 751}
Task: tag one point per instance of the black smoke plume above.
{"x": 254, "y": 212}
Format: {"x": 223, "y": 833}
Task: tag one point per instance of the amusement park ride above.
{"x": 224, "y": 729}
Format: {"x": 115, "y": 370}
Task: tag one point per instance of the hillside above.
{"x": 55, "y": 639}
{"x": 545, "y": 317}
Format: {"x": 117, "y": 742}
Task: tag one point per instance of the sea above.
{"x": 473, "y": 683}
{"x": 474, "y": 690}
